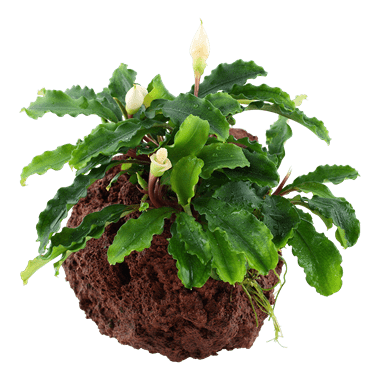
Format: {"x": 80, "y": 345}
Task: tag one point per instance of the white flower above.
{"x": 159, "y": 162}
{"x": 200, "y": 50}
{"x": 135, "y": 98}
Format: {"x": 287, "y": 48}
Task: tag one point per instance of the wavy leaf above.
{"x": 191, "y": 271}
{"x": 219, "y": 156}
{"x": 311, "y": 187}
{"x": 230, "y": 264}
{"x": 246, "y": 234}
{"x": 225, "y": 103}
{"x": 106, "y": 100}
{"x": 226, "y": 75}
{"x": 71, "y": 240}
{"x": 121, "y": 82}
{"x": 263, "y": 93}
{"x": 57, "y": 208}
{"x": 77, "y": 92}
{"x": 193, "y": 236}
{"x": 51, "y": 159}
{"x": 137, "y": 234}
{"x": 187, "y": 104}
{"x": 313, "y": 124}
{"x": 157, "y": 90}
{"x": 61, "y": 104}
{"x": 318, "y": 256}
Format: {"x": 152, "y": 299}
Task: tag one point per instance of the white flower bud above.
{"x": 200, "y": 50}
{"x": 159, "y": 162}
{"x": 135, "y": 98}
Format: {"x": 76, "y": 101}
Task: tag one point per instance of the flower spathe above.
{"x": 200, "y": 50}
{"x": 135, "y": 98}
{"x": 159, "y": 162}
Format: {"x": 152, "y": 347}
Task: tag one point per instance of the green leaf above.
{"x": 311, "y": 187}
{"x": 190, "y": 138}
{"x": 61, "y": 104}
{"x": 193, "y": 236}
{"x": 93, "y": 163}
{"x": 137, "y": 234}
{"x": 121, "y": 82}
{"x": 281, "y": 217}
{"x": 334, "y": 174}
{"x": 191, "y": 271}
{"x": 71, "y": 240}
{"x": 157, "y": 90}
{"x": 261, "y": 170}
{"x": 278, "y": 133}
{"x": 106, "y": 100}
{"x": 313, "y": 124}
{"x": 57, "y": 208}
{"x": 263, "y": 93}
{"x": 239, "y": 194}
{"x": 230, "y": 264}
{"x": 219, "y": 156}
{"x": 342, "y": 215}
{"x": 224, "y": 76}
{"x": 184, "y": 177}
{"x": 187, "y": 104}
{"x": 246, "y": 234}
{"x": 340, "y": 235}
{"x": 225, "y": 103}
{"x": 318, "y": 256}
{"x": 107, "y": 140}
{"x": 76, "y": 92}
{"x": 51, "y": 159}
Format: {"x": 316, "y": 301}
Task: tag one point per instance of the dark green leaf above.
{"x": 224, "y": 76}
{"x": 229, "y": 263}
{"x": 261, "y": 170}
{"x": 245, "y": 233}
{"x": 157, "y": 90}
{"x": 70, "y": 240}
{"x": 225, "y": 103}
{"x": 263, "y": 93}
{"x": 219, "y": 156}
{"x": 61, "y": 104}
{"x": 318, "y": 256}
{"x": 311, "y": 187}
{"x": 137, "y": 234}
{"x": 106, "y": 100}
{"x": 191, "y": 271}
{"x": 52, "y": 159}
{"x": 281, "y": 217}
{"x": 193, "y": 236}
{"x": 121, "y": 82}
{"x": 76, "y": 92}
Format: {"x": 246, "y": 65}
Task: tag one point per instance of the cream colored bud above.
{"x": 135, "y": 98}
{"x": 159, "y": 162}
{"x": 200, "y": 50}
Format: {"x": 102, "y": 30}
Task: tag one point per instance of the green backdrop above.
{"x": 326, "y": 49}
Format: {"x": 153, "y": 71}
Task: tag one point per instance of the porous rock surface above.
{"x": 142, "y": 303}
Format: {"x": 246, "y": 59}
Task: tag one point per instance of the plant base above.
{"x": 142, "y": 303}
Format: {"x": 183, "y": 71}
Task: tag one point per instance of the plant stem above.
{"x": 147, "y": 139}
{"x": 196, "y": 86}
{"x": 282, "y": 184}
{"x": 122, "y": 108}
{"x": 151, "y": 190}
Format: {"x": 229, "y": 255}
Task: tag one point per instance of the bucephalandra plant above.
{"x": 231, "y": 214}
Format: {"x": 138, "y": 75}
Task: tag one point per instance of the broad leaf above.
{"x": 76, "y": 92}
{"x": 191, "y": 271}
{"x": 106, "y": 140}
{"x": 106, "y": 100}
{"x": 226, "y": 104}
{"x": 230, "y": 264}
{"x": 121, "y": 82}
{"x": 190, "y": 138}
{"x": 61, "y": 104}
{"x": 261, "y": 170}
{"x": 278, "y": 133}
{"x": 318, "y": 256}
{"x": 193, "y": 236}
{"x": 137, "y": 234}
{"x": 310, "y": 187}
{"x": 157, "y": 90}
{"x": 334, "y": 174}
{"x": 281, "y": 217}
{"x": 224, "y": 76}
{"x": 70, "y": 240}
{"x": 184, "y": 177}
{"x": 57, "y": 208}
{"x": 342, "y": 215}
{"x": 187, "y": 104}
{"x": 221, "y": 155}
{"x": 51, "y": 159}
{"x": 263, "y": 93}
{"x": 313, "y": 124}
{"x": 246, "y": 234}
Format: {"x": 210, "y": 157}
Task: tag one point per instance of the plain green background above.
{"x": 325, "y": 49}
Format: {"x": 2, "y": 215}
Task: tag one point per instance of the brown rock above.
{"x": 142, "y": 303}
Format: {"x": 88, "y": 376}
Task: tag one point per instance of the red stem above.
{"x": 196, "y": 86}
{"x": 282, "y": 184}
